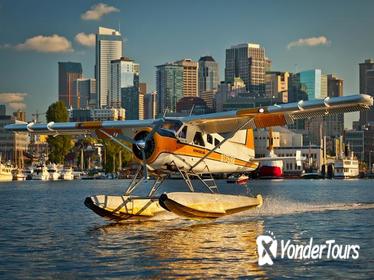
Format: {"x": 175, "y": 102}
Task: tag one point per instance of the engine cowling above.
{"x": 149, "y": 145}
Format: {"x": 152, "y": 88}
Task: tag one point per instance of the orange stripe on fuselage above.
{"x": 172, "y": 146}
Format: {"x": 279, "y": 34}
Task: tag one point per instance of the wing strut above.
{"x": 221, "y": 143}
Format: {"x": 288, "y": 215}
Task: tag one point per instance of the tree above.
{"x": 59, "y": 146}
{"x": 112, "y": 155}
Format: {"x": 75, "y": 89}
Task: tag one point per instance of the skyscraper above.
{"x": 169, "y": 84}
{"x": 150, "y": 105}
{"x": 108, "y": 48}
{"x": 190, "y": 76}
{"x": 208, "y": 74}
{"x": 334, "y": 124}
{"x": 122, "y": 73}
{"x": 312, "y": 82}
{"x": 367, "y": 87}
{"x": 68, "y": 72}
{"x": 247, "y": 61}
{"x": 85, "y": 90}
{"x": 142, "y": 93}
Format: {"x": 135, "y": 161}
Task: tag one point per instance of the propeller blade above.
{"x": 145, "y": 165}
{"x": 154, "y": 130}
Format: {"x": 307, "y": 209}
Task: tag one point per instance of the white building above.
{"x": 285, "y": 144}
{"x": 108, "y": 48}
{"x": 109, "y": 114}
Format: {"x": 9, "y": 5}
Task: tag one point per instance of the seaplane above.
{"x": 195, "y": 146}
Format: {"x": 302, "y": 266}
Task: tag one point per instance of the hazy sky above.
{"x": 297, "y": 35}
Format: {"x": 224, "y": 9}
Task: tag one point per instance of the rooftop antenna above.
{"x": 119, "y": 26}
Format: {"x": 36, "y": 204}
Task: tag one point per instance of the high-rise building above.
{"x": 277, "y": 86}
{"x": 334, "y": 123}
{"x": 150, "y": 105}
{"x": 312, "y": 82}
{"x": 142, "y": 93}
{"x": 85, "y": 90}
{"x": 108, "y": 48}
{"x": 169, "y": 84}
{"x": 2, "y": 110}
{"x": 68, "y": 72}
{"x": 123, "y": 71}
{"x": 247, "y": 61}
{"x": 367, "y": 87}
{"x": 190, "y": 77}
{"x": 208, "y": 74}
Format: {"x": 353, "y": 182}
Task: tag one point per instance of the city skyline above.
{"x": 294, "y": 44}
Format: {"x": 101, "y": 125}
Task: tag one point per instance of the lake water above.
{"x": 47, "y": 232}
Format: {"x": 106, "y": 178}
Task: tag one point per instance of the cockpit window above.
{"x": 209, "y": 138}
{"x": 198, "y": 139}
{"x": 183, "y": 133}
{"x": 172, "y": 125}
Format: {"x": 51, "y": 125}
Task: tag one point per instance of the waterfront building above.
{"x": 79, "y": 115}
{"x": 107, "y": 114}
{"x": 85, "y": 90}
{"x": 190, "y": 76}
{"x": 12, "y": 145}
{"x": 150, "y": 105}
{"x": 108, "y": 48}
{"x": 247, "y": 61}
{"x": 169, "y": 84}
{"x": 276, "y": 87}
{"x": 68, "y": 72}
{"x": 355, "y": 140}
{"x": 208, "y": 74}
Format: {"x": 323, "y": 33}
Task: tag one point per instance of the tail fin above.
{"x": 249, "y": 141}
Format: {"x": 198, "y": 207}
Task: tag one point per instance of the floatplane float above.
{"x": 192, "y": 146}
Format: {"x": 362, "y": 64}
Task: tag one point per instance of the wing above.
{"x": 128, "y": 127}
{"x": 217, "y": 122}
{"x": 278, "y": 115}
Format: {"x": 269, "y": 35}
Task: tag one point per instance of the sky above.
{"x": 297, "y": 35}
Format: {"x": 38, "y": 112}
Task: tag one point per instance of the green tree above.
{"x": 59, "y": 146}
{"x": 112, "y": 155}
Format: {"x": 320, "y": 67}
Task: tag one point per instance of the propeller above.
{"x": 142, "y": 143}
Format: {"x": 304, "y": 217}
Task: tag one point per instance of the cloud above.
{"x": 87, "y": 40}
{"x": 97, "y": 11}
{"x": 46, "y": 44}
{"x": 309, "y": 42}
{"x": 13, "y": 100}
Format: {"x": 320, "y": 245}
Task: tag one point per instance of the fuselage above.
{"x": 183, "y": 147}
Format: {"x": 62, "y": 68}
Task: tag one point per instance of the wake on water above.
{"x": 277, "y": 207}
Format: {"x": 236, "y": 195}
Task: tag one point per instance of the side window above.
{"x": 198, "y": 139}
{"x": 216, "y": 142}
{"x": 183, "y": 133}
{"x": 209, "y": 138}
